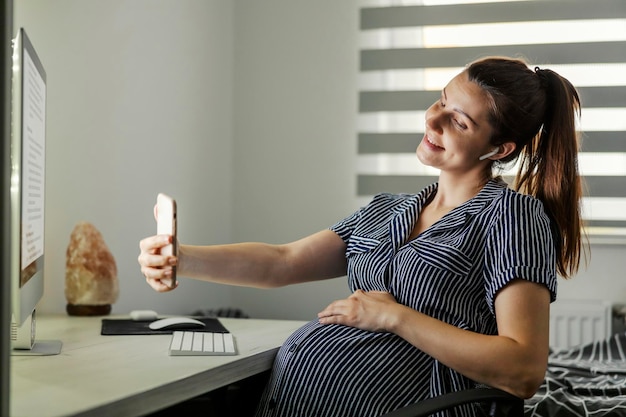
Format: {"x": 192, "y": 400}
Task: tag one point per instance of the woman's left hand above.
{"x": 365, "y": 310}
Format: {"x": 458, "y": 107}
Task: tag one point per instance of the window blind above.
{"x": 411, "y": 49}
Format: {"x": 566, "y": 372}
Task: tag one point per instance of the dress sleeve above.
{"x": 345, "y": 227}
{"x": 371, "y": 213}
{"x": 519, "y": 245}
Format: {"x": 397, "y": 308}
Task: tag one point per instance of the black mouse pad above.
{"x": 127, "y": 327}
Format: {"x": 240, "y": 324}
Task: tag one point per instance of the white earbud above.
{"x": 489, "y": 154}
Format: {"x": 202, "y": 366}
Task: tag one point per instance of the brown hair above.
{"x": 537, "y": 111}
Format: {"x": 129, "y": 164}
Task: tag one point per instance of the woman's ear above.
{"x": 504, "y": 150}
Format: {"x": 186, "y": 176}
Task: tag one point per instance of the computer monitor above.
{"x": 28, "y": 181}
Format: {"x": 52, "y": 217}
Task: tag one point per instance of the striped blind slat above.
{"x": 574, "y": 53}
{"x": 598, "y": 186}
{"x": 375, "y": 101}
{"x": 513, "y": 11}
{"x": 391, "y": 115}
{"x": 372, "y": 143}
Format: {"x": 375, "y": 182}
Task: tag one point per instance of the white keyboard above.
{"x": 190, "y": 343}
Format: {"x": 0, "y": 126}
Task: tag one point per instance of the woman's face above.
{"x": 457, "y": 128}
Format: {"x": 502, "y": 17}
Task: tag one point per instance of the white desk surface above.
{"x": 131, "y": 375}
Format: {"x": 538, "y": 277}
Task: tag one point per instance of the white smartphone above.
{"x": 166, "y": 225}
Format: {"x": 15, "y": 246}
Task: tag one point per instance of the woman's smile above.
{"x": 434, "y": 145}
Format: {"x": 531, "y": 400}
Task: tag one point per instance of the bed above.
{"x": 585, "y": 381}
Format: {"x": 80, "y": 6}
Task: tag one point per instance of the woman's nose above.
{"x": 433, "y": 119}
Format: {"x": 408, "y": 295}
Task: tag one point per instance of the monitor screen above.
{"x": 28, "y": 175}
{"x": 33, "y": 164}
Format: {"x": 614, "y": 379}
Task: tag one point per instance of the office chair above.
{"x": 494, "y": 402}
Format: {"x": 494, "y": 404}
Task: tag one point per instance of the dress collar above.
{"x": 460, "y": 215}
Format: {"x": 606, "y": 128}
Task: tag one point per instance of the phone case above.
{"x": 166, "y": 225}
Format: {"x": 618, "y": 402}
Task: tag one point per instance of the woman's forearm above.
{"x": 315, "y": 257}
{"x": 498, "y": 361}
{"x": 247, "y": 264}
{"x": 514, "y": 360}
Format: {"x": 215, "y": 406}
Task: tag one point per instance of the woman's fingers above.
{"x": 156, "y": 268}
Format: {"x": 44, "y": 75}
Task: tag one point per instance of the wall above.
{"x": 602, "y": 277}
{"x": 139, "y": 101}
{"x": 254, "y": 106}
{"x": 296, "y": 99}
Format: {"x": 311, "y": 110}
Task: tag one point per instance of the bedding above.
{"x": 585, "y": 381}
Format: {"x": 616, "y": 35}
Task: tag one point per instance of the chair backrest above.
{"x": 495, "y": 403}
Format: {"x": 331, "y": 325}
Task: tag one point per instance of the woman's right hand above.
{"x": 155, "y": 267}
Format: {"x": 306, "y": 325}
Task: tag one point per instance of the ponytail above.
{"x": 537, "y": 111}
{"x": 548, "y": 168}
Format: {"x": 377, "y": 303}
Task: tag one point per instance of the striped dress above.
{"x": 452, "y": 272}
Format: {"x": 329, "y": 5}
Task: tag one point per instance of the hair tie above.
{"x": 543, "y": 76}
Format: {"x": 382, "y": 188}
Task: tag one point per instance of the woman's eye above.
{"x": 459, "y": 124}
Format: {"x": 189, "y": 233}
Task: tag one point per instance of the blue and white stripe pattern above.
{"x": 584, "y": 381}
{"x": 452, "y": 271}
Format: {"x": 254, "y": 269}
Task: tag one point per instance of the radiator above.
{"x": 579, "y": 322}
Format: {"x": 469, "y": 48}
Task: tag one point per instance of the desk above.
{"x": 131, "y": 375}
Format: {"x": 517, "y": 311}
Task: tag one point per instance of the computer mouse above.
{"x": 176, "y": 323}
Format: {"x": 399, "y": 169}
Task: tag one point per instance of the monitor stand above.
{"x": 24, "y": 344}
{"x": 40, "y": 348}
